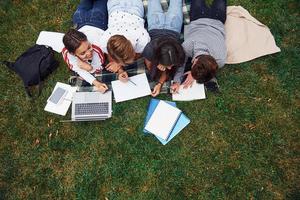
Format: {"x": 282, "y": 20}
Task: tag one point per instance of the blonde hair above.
{"x": 120, "y": 49}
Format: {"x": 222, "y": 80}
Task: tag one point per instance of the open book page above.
{"x": 52, "y": 39}
{"x": 195, "y": 92}
{"x": 138, "y": 86}
{"x": 63, "y": 106}
{"x": 163, "y": 120}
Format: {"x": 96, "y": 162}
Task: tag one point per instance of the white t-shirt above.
{"x": 93, "y": 34}
{"x": 128, "y": 25}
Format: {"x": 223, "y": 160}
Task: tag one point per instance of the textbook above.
{"x": 181, "y": 123}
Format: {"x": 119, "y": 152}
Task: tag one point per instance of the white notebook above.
{"x": 52, "y": 39}
{"x": 138, "y": 86}
{"x": 195, "y": 92}
{"x": 163, "y": 120}
{"x": 62, "y": 107}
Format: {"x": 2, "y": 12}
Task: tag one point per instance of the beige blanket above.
{"x": 246, "y": 38}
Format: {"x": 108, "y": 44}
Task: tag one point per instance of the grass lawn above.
{"x": 241, "y": 144}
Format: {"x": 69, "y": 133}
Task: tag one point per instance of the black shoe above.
{"x": 212, "y": 86}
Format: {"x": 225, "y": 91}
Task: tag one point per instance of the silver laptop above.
{"x": 91, "y": 106}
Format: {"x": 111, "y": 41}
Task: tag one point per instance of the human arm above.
{"x": 189, "y": 80}
{"x": 159, "y": 84}
{"x": 101, "y": 87}
{"x": 83, "y": 65}
{"x": 122, "y": 75}
{"x": 113, "y": 67}
{"x": 148, "y": 64}
{"x": 117, "y": 68}
{"x": 178, "y": 77}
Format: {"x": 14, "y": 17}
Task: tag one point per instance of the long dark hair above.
{"x": 167, "y": 51}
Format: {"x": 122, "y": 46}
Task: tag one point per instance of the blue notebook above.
{"x": 182, "y": 121}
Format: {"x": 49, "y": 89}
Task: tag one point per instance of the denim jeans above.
{"x": 93, "y": 13}
{"x": 158, "y": 19}
{"x": 217, "y": 10}
{"x": 134, "y": 7}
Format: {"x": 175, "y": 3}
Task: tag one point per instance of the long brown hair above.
{"x": 120, "y": 49}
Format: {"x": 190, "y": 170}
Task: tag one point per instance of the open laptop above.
{"x": 91, "y": 106}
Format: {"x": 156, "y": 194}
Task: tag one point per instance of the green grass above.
{"x": 241, "y": 144}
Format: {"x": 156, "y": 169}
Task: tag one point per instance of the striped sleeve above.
{"x": 66, "y": 58}
{"x": 99, "y": 53}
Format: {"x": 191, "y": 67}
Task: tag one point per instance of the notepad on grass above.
{"x": 62, "y": 107}
{"x": 195, "y": 92}
{"x": 52, "y": 39}
{"x": 163, "y": 120}
{"x": 138, "y": 86}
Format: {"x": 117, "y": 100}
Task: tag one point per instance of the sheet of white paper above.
{"x": 61, "y": 108}
{"x": 52, "y": 39}
{"x": 195, "y": 92}
{"x": 162, "y": 120}
{"x": 127, "y": 91}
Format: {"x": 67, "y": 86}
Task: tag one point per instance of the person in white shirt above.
{"x": 125, "y": 38}
{"x": 82, "y": 51}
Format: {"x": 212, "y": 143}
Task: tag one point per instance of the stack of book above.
{"x": 164, "y": 120}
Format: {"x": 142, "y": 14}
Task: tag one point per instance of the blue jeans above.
{"x": 171, "y": 20}
{"x": 134, "y": 7}
{"x": 93, "y": 13}
{"x": 217, "y": 10}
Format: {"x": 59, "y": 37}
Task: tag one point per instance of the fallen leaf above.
{"x": 37, "y": 141}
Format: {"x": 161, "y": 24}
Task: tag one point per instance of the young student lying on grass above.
{"x": 164, "y": 53}
{"x": 126, "y": 36}
{"x": 204, "y": 42}
{"x": 82, "y": 54}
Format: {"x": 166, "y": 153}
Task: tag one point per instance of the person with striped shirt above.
{"x": 82, "y": 51}
{"x": 204, "y": 43}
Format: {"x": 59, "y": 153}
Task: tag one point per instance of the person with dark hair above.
{"x": 204, "y": 42}
{"x": 82, "y": 52}
{"x": 126, "y": 36}
{"x": 164, "y": 53}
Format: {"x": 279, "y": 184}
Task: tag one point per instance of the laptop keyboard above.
{"x": 91, "y": 108}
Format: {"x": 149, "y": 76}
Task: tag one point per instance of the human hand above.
{"x": 175, "y": 87}
{"x": 101, "y": 87}
{"x": 113, "y": 67}
{"x": 156, "y": 90}
{"x": 83, "y": 65}
{"x": 123, "y": 76}
{"x": 189, "y": 80}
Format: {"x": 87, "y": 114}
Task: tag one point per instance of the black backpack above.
{"x": 33, "y": 66}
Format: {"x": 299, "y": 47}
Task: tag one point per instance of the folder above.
{"x": 182, "y": 121}
{"x": 163, "y": 120}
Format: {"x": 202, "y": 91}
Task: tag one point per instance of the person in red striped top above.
{"x": 82, "y": 52}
